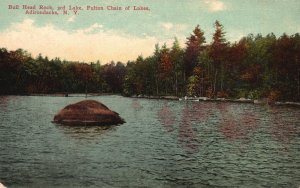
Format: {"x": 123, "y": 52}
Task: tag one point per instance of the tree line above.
{"x": 254, "y": 67}
{"x": 22, "y": 74}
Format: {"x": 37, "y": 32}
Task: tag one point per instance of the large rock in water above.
{"x": 87, "y": 112}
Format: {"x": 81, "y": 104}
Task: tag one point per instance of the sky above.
{"x": 123, "y": 35}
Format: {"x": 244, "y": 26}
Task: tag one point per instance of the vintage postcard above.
{"x": 149, "y": 93}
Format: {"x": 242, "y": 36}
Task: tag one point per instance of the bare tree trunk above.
{"x": 85, "y": 89}
{"x": 156, "y": 83}
{"x": 184, "y": 75}
{"x": 222, "y": 77}
{"x": 215, "y": 83}
{"x": 184, "y": 82}
{"x": 202, "y": 83}
{"x": 176, "y": 84}
{"x": 166, "y": 88}
{"x": 298, "y": 82}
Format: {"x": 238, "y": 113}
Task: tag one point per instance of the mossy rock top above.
{"x": 87, "y": 112}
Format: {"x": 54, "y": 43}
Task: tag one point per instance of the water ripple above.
{"x": 163, "y": 144}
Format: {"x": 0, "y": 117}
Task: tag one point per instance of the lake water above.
{"x": 163, "y": 144}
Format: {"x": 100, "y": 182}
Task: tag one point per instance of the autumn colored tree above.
{"x": 165, "y": 68}
{"x": 286, "y": 66}
{"x": 218, "y": 52}
{"x": 254, "y": 67}
{"x": 176, "y": 56}
{"x": 194, "y": 47}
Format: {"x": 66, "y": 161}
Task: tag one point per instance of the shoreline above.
{"x": 174, "y": 98}
{"x": 61, "y": 94}
{"x": 241, "y": 100}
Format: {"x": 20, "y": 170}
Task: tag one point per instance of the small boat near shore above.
{"x": 263, "y": 101}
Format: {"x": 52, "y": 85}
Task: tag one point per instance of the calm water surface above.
{"x": 163, "y": 144}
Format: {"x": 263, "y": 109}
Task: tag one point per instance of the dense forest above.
{"x": 254, "y": 67}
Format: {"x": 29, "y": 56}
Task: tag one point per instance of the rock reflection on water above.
{"x": 86, "y": 132}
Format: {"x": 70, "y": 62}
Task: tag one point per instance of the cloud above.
{"x": 215, "y": 5}
{"x": 93, "y": 28}
{"x": 87, "y": 44}
{"x": 235, "y": 35}
{"x": 167, "y": 25}
{"x": 171, "y": 30}
{"x": 170, "y": 26}
{"x": 72, "y": 19}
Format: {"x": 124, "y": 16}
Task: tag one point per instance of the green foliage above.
{"x": 22, "y": 74}
{"x": 253, "y": 67}
{"x": 192, "y": 85}
{"x": 194, "y": 46}
{"x": 250, "y": 94}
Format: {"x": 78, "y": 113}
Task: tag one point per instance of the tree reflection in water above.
{"x": 188, "y": 136}
{"x": 136, "y": 104}
{"x": 188, "y": 133}
{"x": 281, "y": 130}
{"x": 166, "y": 117}
{"x": 5, "y": 100}
{"x": 236, "y": 123}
